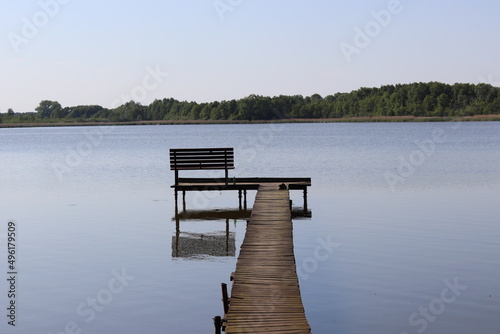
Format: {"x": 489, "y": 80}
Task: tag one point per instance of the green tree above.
{"x": 205, "y": 112}
{"x": 443, "y": 101}
{"x": 46, "y": 108}
{"x": 429, "y": 104}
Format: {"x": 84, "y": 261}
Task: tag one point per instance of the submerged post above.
{"x": 218, "y": 324}
{"x": 225, "y": 298}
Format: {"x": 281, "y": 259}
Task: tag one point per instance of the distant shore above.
{"x": 387, "y": 119}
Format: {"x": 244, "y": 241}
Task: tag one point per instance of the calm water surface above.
{"x": 409, "y": 213}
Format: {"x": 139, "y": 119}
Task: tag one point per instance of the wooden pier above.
{"x": 265, "y": 296}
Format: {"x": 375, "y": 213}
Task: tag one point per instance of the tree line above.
{"x": 431, "y": 99}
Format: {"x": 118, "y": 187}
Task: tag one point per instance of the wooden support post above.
{"x": 177, "y": 231}
{"x": 225, "y": 298}
{"x": 239, "y": 196}
{"x": 227, "y": 236}
{"x": 218, "y": 324}
{"x": 184, "y": 200}
{"x": 305, "y": 200}
{"x": 176, "y": 200}
{"x": 245, "y": 199}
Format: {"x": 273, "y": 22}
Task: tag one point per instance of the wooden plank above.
{"x": 204, "y": 158}
{"x": 215, "y": 149}
{"x": 253, "y": 180}
{"x": 200, "y": 165}
{"x": 182, "y": 155}
{"x": 265, "y": 296}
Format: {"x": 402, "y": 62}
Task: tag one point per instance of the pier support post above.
{"x": 239, "y": 197}
{"x": 225, "y": 298}
{"x": 245, "y": 199}
{"x": 176, "y": 200}
{"x": 184, "y": 200}
{"x": 218, "y": 324}
{"x": 305, "y": 200}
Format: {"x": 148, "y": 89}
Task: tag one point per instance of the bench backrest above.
{"x": 201, "y": 158}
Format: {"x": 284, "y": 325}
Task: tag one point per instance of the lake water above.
{"x": 409, "y": 213}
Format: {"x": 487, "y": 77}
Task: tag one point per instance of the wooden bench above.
{"x": 201, "y": 158}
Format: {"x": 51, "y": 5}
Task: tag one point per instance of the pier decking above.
{"x": 265, "y": 296}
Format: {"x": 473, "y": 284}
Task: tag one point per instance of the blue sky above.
{"x": 101, "y": 52}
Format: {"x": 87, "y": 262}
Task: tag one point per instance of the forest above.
{"x": 431, "y": 99}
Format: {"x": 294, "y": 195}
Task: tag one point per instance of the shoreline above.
{"x": 383, "y": 119}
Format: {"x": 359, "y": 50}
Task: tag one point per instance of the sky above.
{"x": 108, "y": 52}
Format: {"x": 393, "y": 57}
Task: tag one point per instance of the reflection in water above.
{"x": 199, "y": 246}
{"x": 202, "y": 246}
{"x": 297, "y": 214}
{"x": 212, "y": 214}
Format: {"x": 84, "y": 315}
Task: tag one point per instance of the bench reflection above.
{"x": 203, "y": 246}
